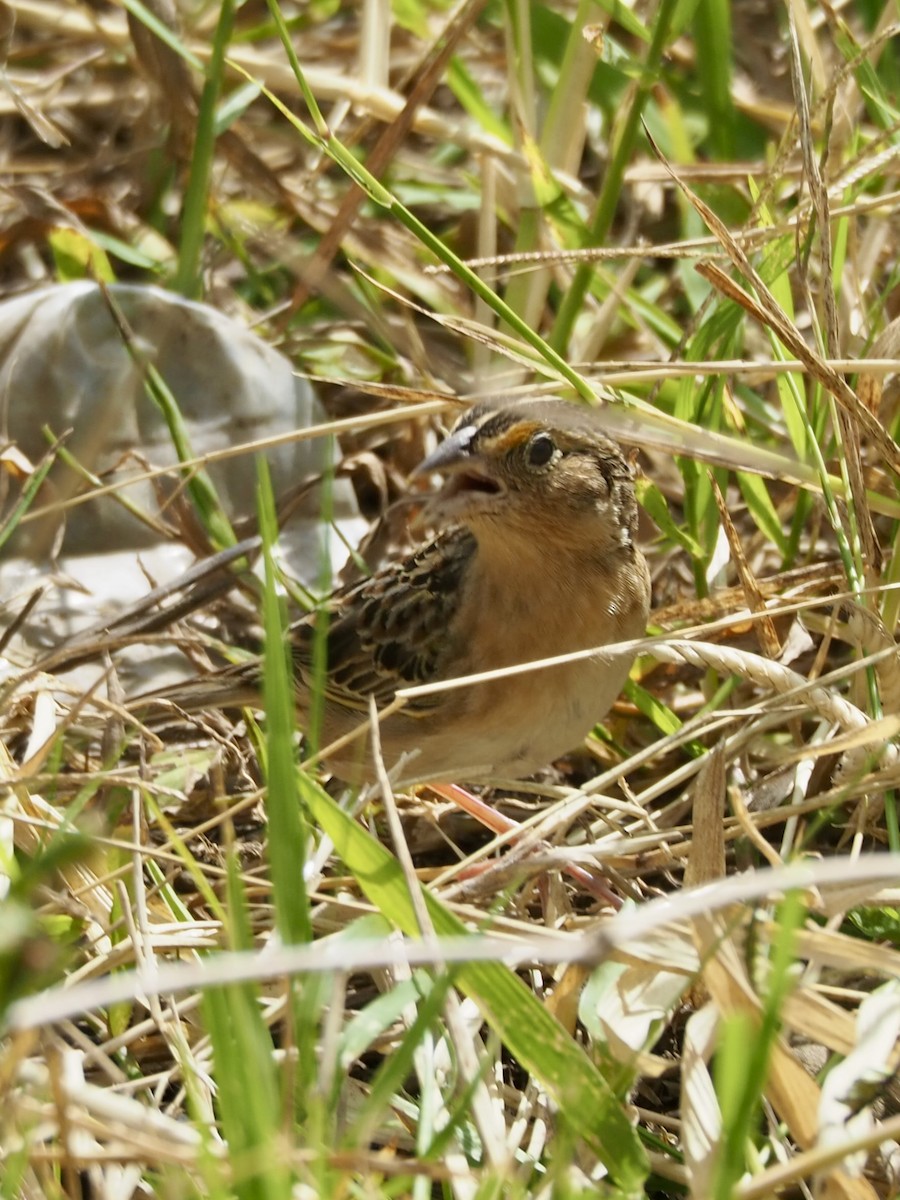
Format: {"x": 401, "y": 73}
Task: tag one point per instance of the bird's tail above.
{"x": 236, "y": 686}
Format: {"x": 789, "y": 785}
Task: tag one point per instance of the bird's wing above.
{"x": 392, "y": 630}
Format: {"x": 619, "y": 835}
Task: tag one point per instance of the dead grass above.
{"x": 742, "y": 295}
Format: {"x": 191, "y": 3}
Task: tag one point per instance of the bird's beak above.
{"x": 451, "y": 454}
{"x": 470, "y": 488}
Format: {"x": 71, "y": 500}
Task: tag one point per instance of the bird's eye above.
{"x": 541, "y": 449}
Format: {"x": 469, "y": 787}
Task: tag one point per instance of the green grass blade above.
{"x": 288, "y": 837}
{"x": 188, "y": 279}
{"x": 382, "y": 196}
{"x": 248, "y": 1089}
{"x": 162, "y": 31}
{"x": 26, "y": 499}
{"x": 712, "y": 34}
{"x": 525, "y": 1026}
{"x": 610, "y": 193}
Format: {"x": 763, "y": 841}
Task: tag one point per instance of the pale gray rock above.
{"x": 63, "y": 364}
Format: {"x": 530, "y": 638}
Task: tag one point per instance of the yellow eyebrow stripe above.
{"x": 515, "y": 436}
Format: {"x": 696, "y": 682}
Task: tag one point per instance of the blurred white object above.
{"x": 63, "y": 364}
{"x": 852, "y": 1086}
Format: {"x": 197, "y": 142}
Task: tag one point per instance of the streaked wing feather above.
{"x": 392, "y": 629}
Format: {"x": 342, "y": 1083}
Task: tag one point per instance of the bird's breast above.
{"x": 528, "y": 718}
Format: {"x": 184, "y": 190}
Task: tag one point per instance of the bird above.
{"x": 533, "y": 556}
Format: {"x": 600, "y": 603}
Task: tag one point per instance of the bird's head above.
{"x": 540, "y": 469}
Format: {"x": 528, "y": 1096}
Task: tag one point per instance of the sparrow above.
{"x": 534, "y": 556}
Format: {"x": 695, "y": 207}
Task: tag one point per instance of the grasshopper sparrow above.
{"x": 535, "y": 558}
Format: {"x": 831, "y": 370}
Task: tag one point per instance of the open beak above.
{"x": 467, "y": 481}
